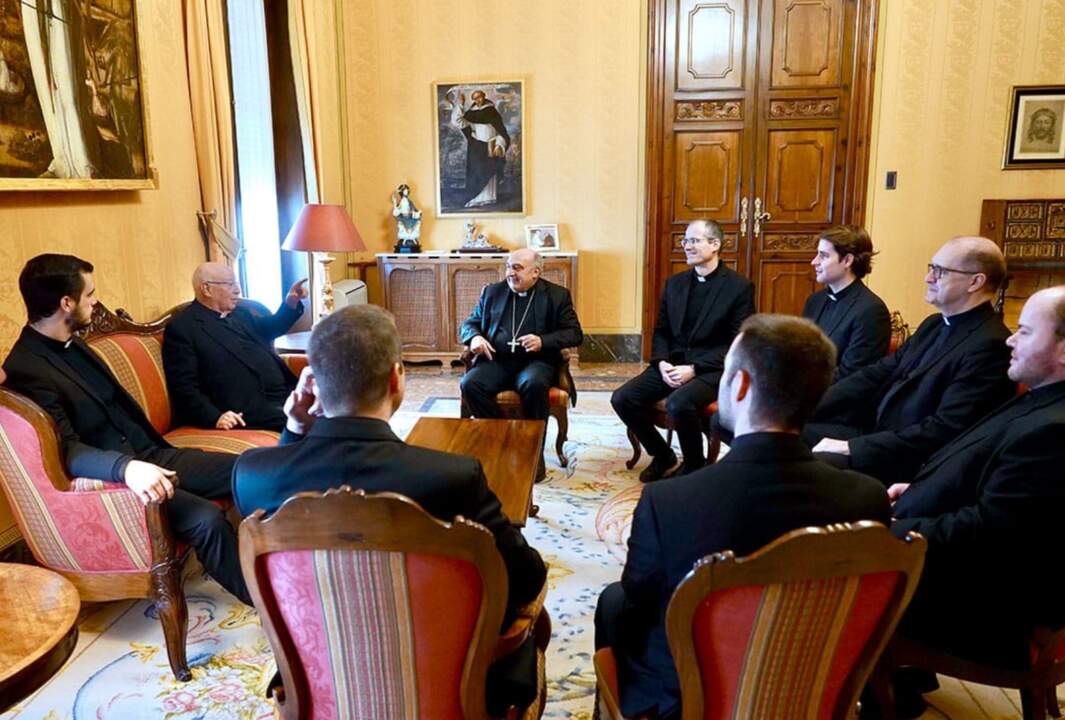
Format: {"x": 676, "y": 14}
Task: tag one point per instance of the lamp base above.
{"x": 325, "y": 299}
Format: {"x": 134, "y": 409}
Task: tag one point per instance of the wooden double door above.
{"x": 758, "y": 118}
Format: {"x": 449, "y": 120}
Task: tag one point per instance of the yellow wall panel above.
{"x": 583, "y": 65}
{"x": 943, "y": 93}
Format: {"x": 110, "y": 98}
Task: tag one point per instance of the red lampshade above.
{"x": 324, "y": 228}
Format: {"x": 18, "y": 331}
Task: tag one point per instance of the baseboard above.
{"x": 611, "y": 348}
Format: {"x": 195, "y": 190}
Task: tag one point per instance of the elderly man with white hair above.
{"x": 221, "y": 369}
{"x": 517, "y": 332}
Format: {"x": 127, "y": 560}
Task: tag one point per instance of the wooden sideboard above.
{"x": 1031, "y": 233}
{"x": 431, "y": 294}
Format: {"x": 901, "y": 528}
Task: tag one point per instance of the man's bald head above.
{"x": 523, "y": 269}
{"x": 984, "y": 256}
{"x": 1037, "y": 349}
{"x": 215, "y": 286}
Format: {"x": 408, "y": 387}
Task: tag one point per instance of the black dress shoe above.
{"x": 658, "y": 468}
{"x": 684, "y": 469}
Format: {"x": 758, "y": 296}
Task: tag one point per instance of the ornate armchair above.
{"x": 559, "y": 398}
{"x": 134, "y": 353}
{"x": 375, "y": 609}
{"x": 1038, "y": 684}
{"x": 791, "y": 631}
{"x": 96, "y": 534}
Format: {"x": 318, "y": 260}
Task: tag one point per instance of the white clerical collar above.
{"x": 523, "y": 294}
{"x": 700, "y": 278}
{"x": 946, "y": 320}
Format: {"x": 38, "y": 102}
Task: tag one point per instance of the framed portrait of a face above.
{"x": 1036, "y": 138}
{"x": 480, "y": 141}
{"x": 542, "y": 238}
{"x": 73, "y": 114}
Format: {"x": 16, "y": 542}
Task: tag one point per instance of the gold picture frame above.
{"x": 98, "y": 101}
{"x": 483, "y": 138}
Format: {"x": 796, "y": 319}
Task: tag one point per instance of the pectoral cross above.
{"x": 513, "y": 345}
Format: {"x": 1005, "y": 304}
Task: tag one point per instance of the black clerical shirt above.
{"x": 106, "y": 387}
{"x": 700, "y": 291}
{"x": 830, "y": 308}
{"x": 517, "y": 304}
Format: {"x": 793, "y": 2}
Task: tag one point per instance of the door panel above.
{"x": 784, "y": 286}
{"x": 711, "y": 41}
{"x": 807, "y": 43}
{"x": 799, "y": 175}
{"x": 756, "y": 101}
{"x": 707, "y": 176}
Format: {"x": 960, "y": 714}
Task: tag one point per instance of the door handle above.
{"x": 760, "y": 217}
{"x": 743, "y": 217}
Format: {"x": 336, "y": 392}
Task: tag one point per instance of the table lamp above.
{"x": 322, "y": 229}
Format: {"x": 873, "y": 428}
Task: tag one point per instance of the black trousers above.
{"x": 632, "y": 401}
{"x": 203, "y": 476}
{"x": 638, "y": 672}
{"x": 531, "y": 379}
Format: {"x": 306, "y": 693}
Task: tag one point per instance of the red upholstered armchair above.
{"x": 375, "y": 609}
{"x": 96, "y": 534}
{"x": 134, "y": 353}
{"x": 791, "y": 631}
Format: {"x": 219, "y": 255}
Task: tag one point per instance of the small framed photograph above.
{"x": 1035, "y": 138}
{"x": 542, "y": 238}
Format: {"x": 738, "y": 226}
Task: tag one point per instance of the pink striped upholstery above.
{"x": 95, "y": 531}
{"x": 785, "y": 650}
{"x": 368, "y": 634}
{"x": 137, "y": 363}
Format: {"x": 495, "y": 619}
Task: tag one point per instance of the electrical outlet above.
{"x": 892, "y": 180}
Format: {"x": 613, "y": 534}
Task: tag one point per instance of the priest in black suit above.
{"x": 356, "y": 378}
{"x": 221, "y": 368}
{"x": 890, "y": 417}
{"x": 516, "y": 333}
{"x": 700, "y": 313}
{"x": 855, "y": 319}
{"x": 991, "y": 504}
{"x": 104, "y": 434}
{"x": 767, "y": 485}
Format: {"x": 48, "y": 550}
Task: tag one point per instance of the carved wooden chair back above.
{"x": 373, "y": 607}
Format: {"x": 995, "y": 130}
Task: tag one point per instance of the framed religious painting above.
{"x": 480, "y": 147}
{"x": 72, "y": 100}
{"x": 1036, "y": 138}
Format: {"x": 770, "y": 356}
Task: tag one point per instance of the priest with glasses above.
{"x": 517, "y": 332}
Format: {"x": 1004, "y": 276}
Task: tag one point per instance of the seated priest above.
{"x": 337, "y": 433}
{"x": 767, "y": 485}
{"x": 516, "y": 333}
{"x": 221, "y": 368}
{"x": 855, "y": 319}
{"x": 990, "y": 503}
{"x": 888, "y": 418}
{"x": 699, "y": 315}
{"x": 104, "y": 433}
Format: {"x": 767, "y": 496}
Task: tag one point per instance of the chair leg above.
{"x": 631, "y": 462}
{"x": 562, "y": 419}
{"x": 713, "y": 447}
{"x": 1052, "y": 702}
{"x": 168, "y": 594}
{"x": 883, "y": 690}
{"x": 1034, "y": 703}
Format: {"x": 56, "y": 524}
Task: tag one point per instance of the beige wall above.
{"x": 144, "y": 244}
{"x": 583, "y": 66}
{"x": 946, "y": 68}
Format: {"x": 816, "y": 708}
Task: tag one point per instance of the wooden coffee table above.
{"x": 39, "y": 615}
{"x": 509, "y": 451}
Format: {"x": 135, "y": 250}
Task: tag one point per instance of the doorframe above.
{"x": 855, "y": 184}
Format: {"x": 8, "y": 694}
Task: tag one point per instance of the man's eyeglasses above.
{"x": 690, "y": 241}
{"x": 230, "y": 283}
{"x": 938, "y": 271}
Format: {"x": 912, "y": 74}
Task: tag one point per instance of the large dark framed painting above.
{"x": 1036, "y": 137}
{"x": 480, "y": 141}
{"x": 72, "y": 110}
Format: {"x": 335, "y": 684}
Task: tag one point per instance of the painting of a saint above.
{"x": 1036, "y": 138}
{"x": 480, "y": 136}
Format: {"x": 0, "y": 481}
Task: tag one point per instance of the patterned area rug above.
{"x": 119, "y": 669}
